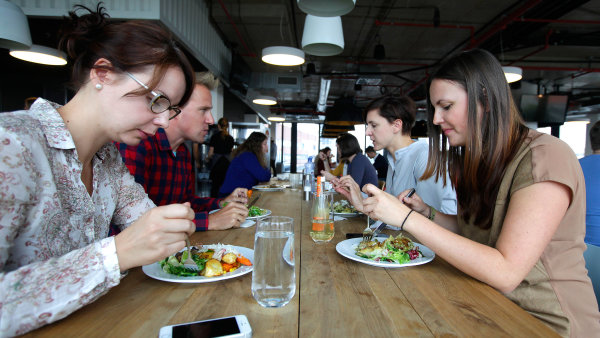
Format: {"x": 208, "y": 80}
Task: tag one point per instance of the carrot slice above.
{"x": 249, "y": 193}
{"x": 243, "y": 260}
{"x": 227, "y": 267}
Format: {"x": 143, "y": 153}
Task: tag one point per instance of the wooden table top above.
{"x": 335, "y": 296}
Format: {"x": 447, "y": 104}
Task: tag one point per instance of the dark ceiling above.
{"x": 556, "y": 42}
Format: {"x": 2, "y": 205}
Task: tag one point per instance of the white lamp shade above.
{"x": 41, "y": 54}
{"x": 513, "y": 74}
{"x": 283, "y": 56}
{"x": 14, "y": 29}
{"x": 323, "y": 36}
{"x": 326, "y": 7}
{"x": 265, "y": 100}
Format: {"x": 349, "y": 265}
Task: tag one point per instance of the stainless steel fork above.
{"x": 368, "y": 232}
{"x": 189, "y": 262}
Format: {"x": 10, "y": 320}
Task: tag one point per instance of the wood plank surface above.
{"x": 335, "y": 296}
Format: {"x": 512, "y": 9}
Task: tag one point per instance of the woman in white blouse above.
{"x": 62, "y": 181}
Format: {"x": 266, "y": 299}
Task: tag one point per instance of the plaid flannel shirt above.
{"x": 167, "y": 176}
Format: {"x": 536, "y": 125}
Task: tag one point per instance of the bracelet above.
{"x": 432, "y": 212}
{"x": 405, "y": 218}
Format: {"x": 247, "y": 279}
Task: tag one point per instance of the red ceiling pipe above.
{"x": 248, "y": 52}
{"x": 414, "y": 24}
{"x": 546, "y": 44}
{"x": 502, "y": 24}
{"x": 418, "y": 83}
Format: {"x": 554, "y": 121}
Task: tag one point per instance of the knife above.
{"x": 253, "y": 201}
{"x": 380, "y": 226}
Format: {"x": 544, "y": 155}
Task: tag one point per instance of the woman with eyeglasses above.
{"x": 520, "y": 225}
{"x": 62, "y": 181}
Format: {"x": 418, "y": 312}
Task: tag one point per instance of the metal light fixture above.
{"x": 513, "y": 74}
{"x": 276, "y": 118}
{"x": 326, "y": 7}
{"x": 265, "y": 100}
{"x": 323, "y": 36}
{"x": 283, "y": 56}
{"x": 14, "y": 29}
{"x": 40, "y": 54}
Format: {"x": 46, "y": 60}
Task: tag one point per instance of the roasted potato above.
{"x": 212, "y": 268}
{"x": 229, "y": 258}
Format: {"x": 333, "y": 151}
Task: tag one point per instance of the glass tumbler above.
{"x": 322, "y": 228}
{"x": 274, "y": 276}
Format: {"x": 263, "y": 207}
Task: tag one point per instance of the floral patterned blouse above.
{"x": 55, "y": 256}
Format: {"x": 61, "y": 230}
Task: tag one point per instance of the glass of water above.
{"x": 273, "y": 275}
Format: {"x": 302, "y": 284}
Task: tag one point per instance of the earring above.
{"x": 98, "y": 86}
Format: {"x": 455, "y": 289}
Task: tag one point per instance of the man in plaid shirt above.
{"x": 163, "y": 164}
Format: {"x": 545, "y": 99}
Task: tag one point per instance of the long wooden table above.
{"x": 335, "y": 296}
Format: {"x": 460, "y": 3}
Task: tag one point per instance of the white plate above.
{"x": 267, "y": 188}
{"x": 247, "y": 224}
{"x": 155, "y": 271}
{"x": 347, "y": 249}
{"x": 346, "y": 214}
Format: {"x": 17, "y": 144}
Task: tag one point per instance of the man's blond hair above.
{"x": 207, "y": 79}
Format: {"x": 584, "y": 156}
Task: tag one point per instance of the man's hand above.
{"x": 239, "y": 195}
{"x": 231, "y": 216}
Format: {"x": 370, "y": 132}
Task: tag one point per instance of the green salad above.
{"x": 254, "y": 211}
{"x": 398, "y": 250}
{"x": 343, "y": 207}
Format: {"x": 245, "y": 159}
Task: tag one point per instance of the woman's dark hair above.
{"x": 223, "y": 124}
{"x": 325, "y": 150}
{"x": 495, "y": 133}
{"x": 392, "y": 108}
{"x": 254, "y": 145}
{"x": 348, "y": 145}
{"x": 127, "y": 45}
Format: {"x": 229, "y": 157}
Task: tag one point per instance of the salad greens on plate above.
{"x": 399, "y": 250}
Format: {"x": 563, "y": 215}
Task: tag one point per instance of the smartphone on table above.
{"x": 235, "y": 326}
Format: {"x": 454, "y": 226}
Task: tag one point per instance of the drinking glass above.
{"x": 273, "y": 276}
{"x": 296, "y": 181}
{"x": 322, "y": 229}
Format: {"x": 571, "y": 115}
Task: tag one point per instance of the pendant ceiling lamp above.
{"x": 513, "y": 74}
{"x": 344, "y": 113}
{"x": 326, "y": 7}
{"x": 40, "y": 54}
{"x": 14, "y": 29}
{"x": 276, "y": 118}
{"x": 283, "y": 56}
{"x": 265, "y": 100}
{"x": 323, "y": 36}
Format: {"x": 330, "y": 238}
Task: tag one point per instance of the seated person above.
{"x": 591, "y": 171}
{"x": 249, "y": 165}
{"x": 360, "y": 168}
{"x": 323, "y": 161}
{"x": 380, "y": 163}
{"x": 163, "y": 164}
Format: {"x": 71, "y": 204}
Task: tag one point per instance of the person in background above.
{"x": 162, "y": 164}
{"x": 360, "y": 169}
{"x": 273, "y": 156}
{"x": 249, "y": 165}
{"x": 520, "y": 225}
{"x": 389, "y": 123}
{"x": 380, "y": 163}
{"x": 323, "y": 161}
{"x": 67, "y": 181}
{"x": 591, "y": 171}
{"x": 221, "y": 143}
{"x": 28, "y": 102}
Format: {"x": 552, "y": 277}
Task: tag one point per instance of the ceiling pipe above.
{"x": 502, "y": 24}
{"x": 385, "y": 63}
{"x": 237, "y": 32}
{"x": 413, "y": 24}
{"x": 544, "y": 47}
{"x": 582, "y": 22}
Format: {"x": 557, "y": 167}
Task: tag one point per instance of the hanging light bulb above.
{"x": 513, "y": 74}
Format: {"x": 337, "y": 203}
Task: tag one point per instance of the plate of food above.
{"x": 344, "y": 208}
{"x": 268, "y": 187}
{"x": 216, "y": 262}
{"x": 254, "y": 213}
{"x": 389, "y": 253}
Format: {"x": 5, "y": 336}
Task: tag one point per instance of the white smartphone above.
{"x": 236, "y": 326}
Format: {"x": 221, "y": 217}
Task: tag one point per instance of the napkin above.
{"x": 338, "y": 218}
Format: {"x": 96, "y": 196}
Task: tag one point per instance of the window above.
{"x": 573, "y": 133}
{"x": 308, "y": 143}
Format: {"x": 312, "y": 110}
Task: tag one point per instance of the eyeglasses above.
{"x": 159, "y": 103}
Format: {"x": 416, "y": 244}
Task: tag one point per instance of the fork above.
{"x": 368, "y": 232}
{"x": 189, "y": 262}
